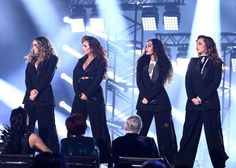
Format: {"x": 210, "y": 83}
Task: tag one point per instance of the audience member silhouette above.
{"x": 16, "y": 139}
{"x": 132, "y": 144}
{"x": 76, "y": 143}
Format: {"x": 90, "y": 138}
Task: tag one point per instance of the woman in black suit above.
{"x": 202, "y": 79}
{"x": 89, "y": 101}
{"x": 39, "y": 99}
{"x": 154, "y": 69}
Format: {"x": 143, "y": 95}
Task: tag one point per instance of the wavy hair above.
{"x": 211, "y": 48}
{"x": 12, "y": 136}
{"x": 96, "y": 48}
{"x": 45, "y": 50}
{"x": 161, "y": 55}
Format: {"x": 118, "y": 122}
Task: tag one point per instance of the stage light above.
{"x": 65, "y": 106}
{"x": 72, "y": 51}
{"x": 77, "y": 20}
{"x": 149, "y": 18}
{"x": 171, "y": 17}
{"x": 96, "y": 22}
{"x": 67, "y": 78}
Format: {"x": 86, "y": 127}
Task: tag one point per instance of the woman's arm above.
{"x": 95, "y": 83}
{"x": 188, "y": 81}
{"x": 36, "y": 142}
{"x": 214, "y": 84}
{"x": 139, "y": 78}
{"x": 46, "y": 77}
{"x": 76, "y": 79}
{"x": 28, "y": 82}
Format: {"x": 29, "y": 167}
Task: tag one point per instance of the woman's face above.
{"x": 201, "y": 47}
{"x": 35, "y": 47}
{"x": 86, "y": 48}
{"x": 149, "y": 48}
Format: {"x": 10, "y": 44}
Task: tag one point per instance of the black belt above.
{"x": 85, "y": 78}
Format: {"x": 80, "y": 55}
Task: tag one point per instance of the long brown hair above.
{"x": 96, "y": 48}
{"x": 212, "y": 52}
{"x": 45, "y": 50}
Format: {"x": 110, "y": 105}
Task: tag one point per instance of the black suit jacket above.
{"x": 134, "y": 145}
{"x": 203, "y": 85}
{"x": 40, "y": 79}
{"x": 92, "y": 86}
{"x": 152, "y": 89}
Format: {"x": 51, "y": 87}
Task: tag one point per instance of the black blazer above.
{"x": 134, "y": 145}
{"x": 203, "y": 85}
{"x": 152, "y": 89}
{"x": 40, "y": 79}
{"x": 90, "y": 87}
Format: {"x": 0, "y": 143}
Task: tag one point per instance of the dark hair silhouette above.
{"x": 12, "y": 136}
{"x": 76, "y": 124}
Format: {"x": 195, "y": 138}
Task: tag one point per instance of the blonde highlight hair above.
{"x": 46, "y": 50}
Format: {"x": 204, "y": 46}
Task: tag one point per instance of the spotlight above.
{"x": 149, "y": 18}
{"x": 171, "y": 17}
{"x": 77, "y": 20}
{"x": 96, "y": 22}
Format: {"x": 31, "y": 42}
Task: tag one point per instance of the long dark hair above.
{"x": 96, "y": 48}
{"x": 161, "y": 55}
{"x": 12, "y": 136}
{"x": 211, "y": 48}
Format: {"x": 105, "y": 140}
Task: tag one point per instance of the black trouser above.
{"x": 191, "y": 135}
{"x": 166, "y": 137}
{"x": 46, "y": 124}
{"x": 95, "y": 110}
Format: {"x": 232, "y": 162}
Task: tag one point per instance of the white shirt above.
{"x": 151, "y": 67}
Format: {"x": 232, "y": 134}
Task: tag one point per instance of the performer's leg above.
{"x": 32, "y": 113}
{"x": 166, "y": 135}
{"x": 47, "y": 127}
{"x": 97, "y": 117}
{"x": 146, "y": 117}
{"x": 79, "y": 106}
{"x": 190, "y": 139}
{"x": 214, "y": 137}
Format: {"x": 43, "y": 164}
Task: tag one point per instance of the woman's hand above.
{"x": 196, "y": 101}
{"x": 83, "y": 96}
{"x": 33, "y": 94}
{"x": 145, "y": 101}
